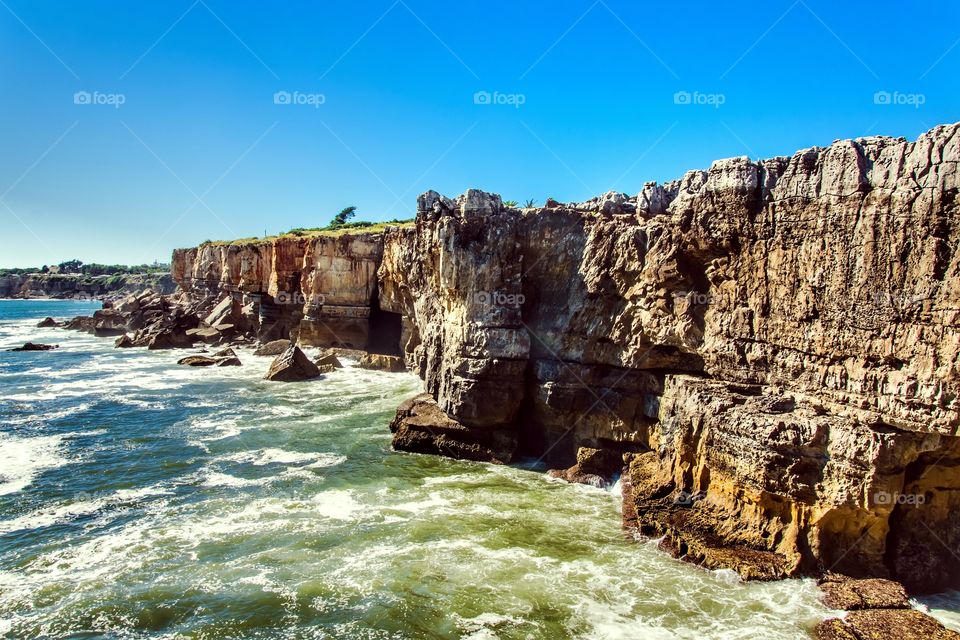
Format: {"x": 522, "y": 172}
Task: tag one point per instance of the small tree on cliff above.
{"x": 341, "y": 218}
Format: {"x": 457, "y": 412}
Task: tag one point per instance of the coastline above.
{"x": 909, "y": 613}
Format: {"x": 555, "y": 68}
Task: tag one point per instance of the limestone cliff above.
{"x": 320, "y": 288}
{"x": 771, "y": 346}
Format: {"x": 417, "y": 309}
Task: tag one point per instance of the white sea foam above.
{"x": 263, "y": 457}
{"x": 217, "y": 479}
{"x": 217, "y": 428}
{"x": 483, "y": 626}
{"x": 337, "y": 504}
{"x": 66, "y": 512}
{"x": 945, "y": 607}
{"x": 23, "y": 459}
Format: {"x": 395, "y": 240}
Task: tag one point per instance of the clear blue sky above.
{"x": 199, "y": 150}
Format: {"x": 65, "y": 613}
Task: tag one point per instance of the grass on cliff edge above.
{"x": 329, "y": 232}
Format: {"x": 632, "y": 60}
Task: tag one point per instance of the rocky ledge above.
{"x": 766, "y": 352}
{"x": 875, "y": 609}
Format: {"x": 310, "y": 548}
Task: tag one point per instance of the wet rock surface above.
{"x": 272, "y": 348}
{"x": 35, "y": 346}
{"x": 292, "y": 365}
{"x": 420, "y": 426}
{"x": 381, "y": 362}
{"x": 328, "y": 359}
{"x": 878, "y": 609}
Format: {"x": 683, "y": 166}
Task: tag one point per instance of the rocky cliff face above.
{"x": 770, "y": 346}
{"x": 320, "y": 288}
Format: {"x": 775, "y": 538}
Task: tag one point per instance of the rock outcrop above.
{"x": 292, "y": 365}
{"x": 771, "y": 347}
{"x": 36, "y": 346}
{"x": 877, "y": 609}
{"x": 380, "y": 362}
{"x": 420, "y": 426}
{"x": 272, "y": 348}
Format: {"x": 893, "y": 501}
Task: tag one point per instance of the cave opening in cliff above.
{"x": 385, "y": 329}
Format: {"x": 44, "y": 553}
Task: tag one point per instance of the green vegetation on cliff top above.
{"x": 333, "y": 230}
{"x": 77, "y": 267}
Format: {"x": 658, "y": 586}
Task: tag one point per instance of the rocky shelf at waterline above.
{"x": 767, "y": 351}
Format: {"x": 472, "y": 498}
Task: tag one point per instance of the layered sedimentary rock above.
{"x": 321, "y": 289}
{"x": 770, "y": 347}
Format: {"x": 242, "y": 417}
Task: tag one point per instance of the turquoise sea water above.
{"x": 139, "y": 499}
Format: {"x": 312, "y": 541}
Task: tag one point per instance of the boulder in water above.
{"x": 46, "y": 323}
{"x": 274, "y": 348}
{"x": 197, "y": 361}
{"x": 327, "y": 359}
{"x": 595, "y": 467}
{"x": 34, "y": 346}
{"x": 292, "y": 365}
{"x": 421, "y": 426}
{"x": 82, "y": 323}
{"x": 169, "y": 339}
{"x": 380, "y": 362}
{"x": 123, "y": 342}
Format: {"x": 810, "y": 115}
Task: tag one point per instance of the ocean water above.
{"x": 139, "y": 499}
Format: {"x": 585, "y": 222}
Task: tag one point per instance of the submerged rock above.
{"x": 292, "y": 365}
{"x": 34, "y": 346}
{"x": 197, "y": 361}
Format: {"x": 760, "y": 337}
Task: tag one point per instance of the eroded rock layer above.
{"x": 320, "y": 289}
{"x": 771, "y": 347}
